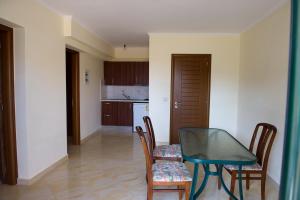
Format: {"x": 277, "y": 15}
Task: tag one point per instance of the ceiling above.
{"x": 129, "y": 21}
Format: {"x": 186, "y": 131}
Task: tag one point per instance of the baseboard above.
{"x": 37, "y": 177}
{"x": 83, "y": 140}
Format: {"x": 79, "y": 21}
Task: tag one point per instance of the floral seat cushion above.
{"x": 170, "y": 172}
{"x": 168, "y": 151}
{"x": 255, "y": 167}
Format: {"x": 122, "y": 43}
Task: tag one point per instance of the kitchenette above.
{"x": 125, "y": 93}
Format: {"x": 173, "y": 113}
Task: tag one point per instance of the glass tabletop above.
{"x": 213, "y": 146}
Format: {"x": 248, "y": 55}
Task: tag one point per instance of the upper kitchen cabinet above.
{"x": 126, "y": 73}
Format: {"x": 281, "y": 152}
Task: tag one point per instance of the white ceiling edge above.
{"x": 192, "y": 34}
{"x": 267, "y": 14}
{"x": 90, "y": 30}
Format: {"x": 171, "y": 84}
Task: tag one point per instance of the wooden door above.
{"x": 73, "y": 96}
{"x": 190, "y": 92}
{"x": 2, "y": 156}
{"x": 8, "y": 150}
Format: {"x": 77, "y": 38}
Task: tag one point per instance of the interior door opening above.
{"x": 72, "y": 97}
{"x": 190, "y": 92}
{"x": 8, "y": 150}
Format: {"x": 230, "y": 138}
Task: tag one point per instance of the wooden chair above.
{"x": 262, "y": 152}
{"x": 164, "y": 173}
{"x": 162, "y": 152}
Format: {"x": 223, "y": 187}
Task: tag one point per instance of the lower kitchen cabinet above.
{"x": 117, "y": 113}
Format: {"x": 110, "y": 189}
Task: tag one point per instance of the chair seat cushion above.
{"x": 255, "y": 167}
{"x": 168, "y": 151}
{"x": 168, "y": 171}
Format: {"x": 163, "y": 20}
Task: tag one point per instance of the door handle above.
{"x": 176, "y": 104}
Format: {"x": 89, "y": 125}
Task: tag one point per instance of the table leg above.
{"x": 204, "y": 182}
{"x": 240, "y": 182}
{"x": 195, "y": 178}
{"x": 220, "y": 174}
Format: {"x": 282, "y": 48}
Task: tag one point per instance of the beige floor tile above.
{"x": 110, "y": 166}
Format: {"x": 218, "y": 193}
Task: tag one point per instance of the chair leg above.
{"x": 149, "y": 193}
{"x": 180, "y": 192}
{"x": 219, "y": 183}
{"x": 247, "y": 181}
{"x": 187, "y": 190}
{"x": 263, "y": 187}
{"x": 232, "y": 184}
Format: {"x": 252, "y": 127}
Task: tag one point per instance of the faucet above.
{"x": 124, "y": 95}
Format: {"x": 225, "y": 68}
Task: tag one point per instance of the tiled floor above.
{"x": 109, "y": 166}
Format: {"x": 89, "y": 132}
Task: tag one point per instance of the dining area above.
{"x": 212, "y": 151}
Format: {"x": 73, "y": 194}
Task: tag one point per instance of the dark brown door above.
{"x": 190, "y": 92}
{"x": 2, "y": 156}
{"x": 8, "y": 154}
{"x": 73, "y": 98}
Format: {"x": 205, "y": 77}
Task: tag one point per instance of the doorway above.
{"x": 190, "y": 92}
{"x": 72, "y": 97}
{"x": 8, "y": 149}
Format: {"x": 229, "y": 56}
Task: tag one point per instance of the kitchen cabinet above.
{"x": 126, "y": 73}
{"x": 109, "y": 113}
{"x": 125, "y": 113}
{"x": 117, "y": 113}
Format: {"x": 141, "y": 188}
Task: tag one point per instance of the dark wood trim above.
{"x": 172, "y": 86}
{"x": 9, "y": 127}
{"x": 75, "y": 96}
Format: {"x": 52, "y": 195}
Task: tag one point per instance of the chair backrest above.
{"x": 150, "y": 131}
{"x": 146, "y": 152}
{"x": 264, "y": 144}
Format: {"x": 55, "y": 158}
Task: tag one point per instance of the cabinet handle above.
{"x": 107, "y": 103}
{"x": 107, "y": 115}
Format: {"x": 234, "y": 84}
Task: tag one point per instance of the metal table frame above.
{"x": 219, "y": 164}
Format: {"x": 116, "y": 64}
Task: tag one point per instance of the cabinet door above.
{"x": 117, "y": 73}
{"x": 124, "y": 73}
{"x": 108, "y": 73}
{"x": 145, "y": 80}
{"x": 125, "y": 113}
{"x": 109, "y": 113}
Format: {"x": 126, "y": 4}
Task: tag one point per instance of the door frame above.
{"x": 172, "y": 87}
{"x": 75, "y": 96}
{"x": 9, "y": 124}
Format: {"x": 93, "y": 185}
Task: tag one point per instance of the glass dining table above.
{"x": 216, "y": 147}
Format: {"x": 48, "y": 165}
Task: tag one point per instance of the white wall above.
{"x": 89, "y": 94}
{"x": 40, "y": 81}
{"x": 224, "y": 77}
{"x": 263, "y": 81}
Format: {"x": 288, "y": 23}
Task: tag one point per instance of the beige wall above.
{"x": 90, "y": 94}
{"x": 40, "y": 81}
{"x": 224, "y": 77}
{"x": 80, "y": 38}
{"x": 263, "y": 81}
{"x": 131, "y": 54}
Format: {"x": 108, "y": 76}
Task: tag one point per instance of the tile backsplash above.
{"x": 115, "y": 92}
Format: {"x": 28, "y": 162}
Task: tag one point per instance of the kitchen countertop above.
{"x": 127, "y": 100}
